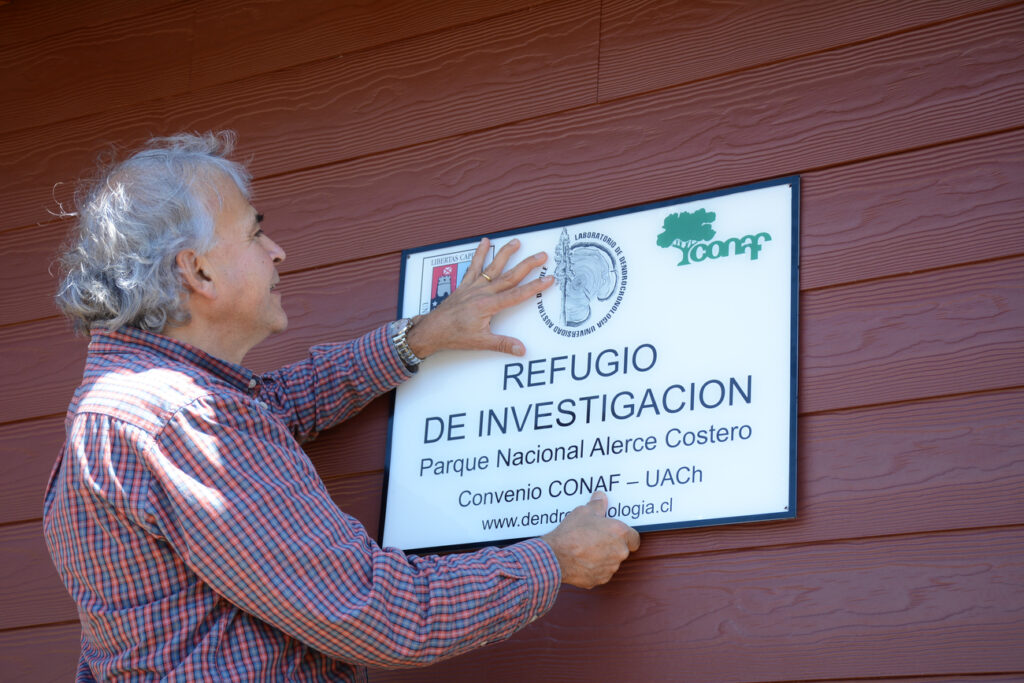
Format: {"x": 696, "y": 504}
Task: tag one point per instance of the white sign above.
{"x": 660, "y": 368}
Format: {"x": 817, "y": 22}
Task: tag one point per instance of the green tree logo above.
{"x": 683, "y": 230}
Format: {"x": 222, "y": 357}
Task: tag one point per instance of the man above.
{"x": 182, "y": 515}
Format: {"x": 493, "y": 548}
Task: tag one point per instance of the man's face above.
{"x": 243, "y": 267}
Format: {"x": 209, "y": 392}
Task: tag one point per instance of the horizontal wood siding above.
{"x": 121, "y": 62}
{"x": 651, "y": 44}
{"x": 373, "y": 127}
{"x": 233, "y": 39}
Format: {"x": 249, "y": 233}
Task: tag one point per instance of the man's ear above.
{"x": 190, "y": 265}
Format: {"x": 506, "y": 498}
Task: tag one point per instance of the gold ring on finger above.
{"x": 486, "y": 276}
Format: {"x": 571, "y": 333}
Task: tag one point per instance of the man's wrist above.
{"x": 416, "y": 340}
{"x": 398, "y": 331}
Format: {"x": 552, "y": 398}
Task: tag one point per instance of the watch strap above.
{"x": 399, "y": 329}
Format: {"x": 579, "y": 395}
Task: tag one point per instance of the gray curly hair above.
{"x": 119, "y": 268}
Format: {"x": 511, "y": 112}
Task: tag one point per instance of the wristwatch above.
{"x": 398, "y": 330}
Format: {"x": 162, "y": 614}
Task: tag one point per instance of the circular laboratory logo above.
{"x": 590, "y": 281}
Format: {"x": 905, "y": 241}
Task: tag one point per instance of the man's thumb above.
{"x": 600, "y": 501}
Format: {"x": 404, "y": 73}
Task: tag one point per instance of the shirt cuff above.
{"x": 389, "y": 370}
{"x": 540, "y": 568}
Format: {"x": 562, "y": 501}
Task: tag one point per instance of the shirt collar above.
{"x": 133, "y": 340}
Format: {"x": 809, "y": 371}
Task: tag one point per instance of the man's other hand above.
{"x": 590, "y": 546}
{"x": 463, "y": 320}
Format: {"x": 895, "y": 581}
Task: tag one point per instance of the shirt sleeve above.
{"x": 83, "y": 674}
{"x": 245, "y": 510}
{"x": 333, "y": 383}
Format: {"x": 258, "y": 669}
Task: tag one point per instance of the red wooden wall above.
{"x": 384, "y": 125}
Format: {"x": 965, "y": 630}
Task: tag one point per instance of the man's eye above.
{"x": 259, "y": 233}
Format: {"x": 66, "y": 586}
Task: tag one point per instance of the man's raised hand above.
{"x": 463, "y": 320}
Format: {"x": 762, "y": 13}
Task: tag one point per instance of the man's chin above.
{"x": 277, "y": 325}
{"x": 281, "y": 325}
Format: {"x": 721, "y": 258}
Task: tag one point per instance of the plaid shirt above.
{"x": 199, "y": 543}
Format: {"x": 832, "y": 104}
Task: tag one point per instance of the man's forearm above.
{"x": 335, "y": 382}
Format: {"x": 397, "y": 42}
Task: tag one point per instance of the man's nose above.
{"x": 276, "y": 252}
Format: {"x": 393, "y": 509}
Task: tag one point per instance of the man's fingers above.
{"x": 497, "y": 266}
{"x": 516, "y": 295}
{"x": 633, "y": 540}
{"x": 508, "y": 345}
{"x": 599, "y": 502}
{"x": 476, "y": 265}
{"x": 516, "y": 274}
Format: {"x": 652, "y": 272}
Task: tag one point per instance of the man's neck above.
{"x": 210, "y": 341}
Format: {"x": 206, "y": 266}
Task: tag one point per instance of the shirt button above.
{"x": 252, "y": 383}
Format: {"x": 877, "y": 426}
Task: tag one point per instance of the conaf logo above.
{"x": 691, "y": 233}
